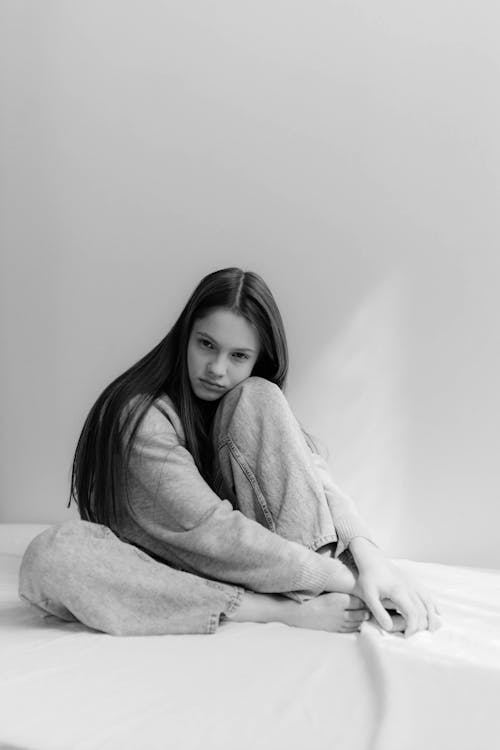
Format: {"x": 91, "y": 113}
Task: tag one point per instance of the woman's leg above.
{"x": 263, "y": 464}
{"x": 82, "y": 571}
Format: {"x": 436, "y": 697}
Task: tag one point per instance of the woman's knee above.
{"x": 60, "y": 540}
{"x": 260, "y": 392}
{"x": 257, "y": 402}
{"x": 57, "y": 565}
{"x": 50, "y": 555}
{"x": 258, "y": 385}
{"x": 35, "y": 566}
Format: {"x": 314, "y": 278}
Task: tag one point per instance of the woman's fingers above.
{"x": 420, "y": 615}
{"x": 356, "y": 615}
{"x": 426, "y": 614}
{"x": 411, "y": 612}
{"x": 398, "y": 624}
{"x": 354, "y": 603}
{"x": 432, "y": 612}
{"x": 411, "y": 602}
{"x": 388, "y": 603}
{"x": 418, "y": 610}
{"x": 421, "y": 610}
{"x": 379, "y": 612}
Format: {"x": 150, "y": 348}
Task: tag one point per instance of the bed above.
{"x": 252, "y": 686}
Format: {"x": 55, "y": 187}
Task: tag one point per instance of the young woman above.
{"x": 201, "y": 497}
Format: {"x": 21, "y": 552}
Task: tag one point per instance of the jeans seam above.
{"x": 240, "y": 459}
{"x": 212, "y": 623}
{"x": 214, "y": 618}
{"x": 235, "y": 600}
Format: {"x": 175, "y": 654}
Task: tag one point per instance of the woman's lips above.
{"x": 213, "y": 386}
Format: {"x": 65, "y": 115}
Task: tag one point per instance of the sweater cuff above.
{"x": 312, "y": 578}
{"x": 347, "y": 529}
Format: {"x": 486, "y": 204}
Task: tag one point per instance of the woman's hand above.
{"x": 382, "y": 585}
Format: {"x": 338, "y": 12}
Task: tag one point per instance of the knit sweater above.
{"x": 177, "y": 518}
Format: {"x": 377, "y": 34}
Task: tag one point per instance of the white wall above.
{"x": 348, "y": 152}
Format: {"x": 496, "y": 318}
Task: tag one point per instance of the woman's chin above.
{"x": 203, "y": 395}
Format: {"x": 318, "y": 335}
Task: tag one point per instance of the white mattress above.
{"x": 253, "y": 686}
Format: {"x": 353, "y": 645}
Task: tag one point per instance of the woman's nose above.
{"x": 217, "y": 367}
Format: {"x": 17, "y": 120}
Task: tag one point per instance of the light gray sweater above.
{"x": 178, "y": 519}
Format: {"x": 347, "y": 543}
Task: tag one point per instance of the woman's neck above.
{"x": 207, "y": 411}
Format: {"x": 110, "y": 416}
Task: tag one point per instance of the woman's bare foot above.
{"x": 339, "y": 613}
{"x": 333, "y": 612}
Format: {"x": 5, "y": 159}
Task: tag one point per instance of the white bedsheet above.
{"x": 252, "y": 686}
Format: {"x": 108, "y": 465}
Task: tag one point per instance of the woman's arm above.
{"x": 178, "y": 517}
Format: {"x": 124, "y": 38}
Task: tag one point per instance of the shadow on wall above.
{"x": 405, "y": 398}
{"x": 353, "y": 396}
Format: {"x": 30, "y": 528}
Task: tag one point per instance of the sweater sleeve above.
{"x": 348, "y": 522}
{"x": 179, "y": 517}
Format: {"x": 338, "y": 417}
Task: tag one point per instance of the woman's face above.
{"x": 222, "y": 349}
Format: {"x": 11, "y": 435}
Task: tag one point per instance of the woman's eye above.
{"x": 204, "y": 342}
{"x": 240, "y": 355}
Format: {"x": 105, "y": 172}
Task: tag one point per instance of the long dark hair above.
{"x": 104, "y": 446}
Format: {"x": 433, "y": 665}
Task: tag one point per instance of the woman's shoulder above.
{"x": 164, "y": 406}
{"x": 161, "y": 416}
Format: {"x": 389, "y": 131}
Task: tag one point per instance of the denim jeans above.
{"x": 82, "y": 571}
